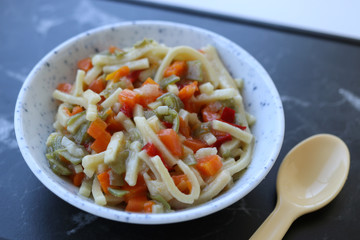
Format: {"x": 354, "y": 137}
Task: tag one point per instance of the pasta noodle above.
{"x": 151, "y": 125}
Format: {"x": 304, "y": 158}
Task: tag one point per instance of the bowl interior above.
{"x": 35, "y": 109}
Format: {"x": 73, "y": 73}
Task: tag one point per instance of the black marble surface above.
{"x": 318, "y": 80}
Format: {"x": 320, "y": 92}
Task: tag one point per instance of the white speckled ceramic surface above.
{"x": 35, "y": 110}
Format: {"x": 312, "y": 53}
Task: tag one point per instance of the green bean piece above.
{"x": 202, "y": 129}
{"x": 54, "y": 142}
{"x": 117, "y": 192}
{"x": 172, "y": 101}
{"x": 74, "y": 122}
{"x": 148, "y": 114}
{"x": 168, "y": 80}
{"x": 65, "y": 154}
{"x": 81, "y": 136}
{"x": 194, "y": 71}
{"x": 143, "y": 43}
{"x": 56, "y": 166}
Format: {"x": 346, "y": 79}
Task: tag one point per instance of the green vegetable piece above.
{"x": 109, "y": 90}
{"x": 65, "y": 154}
{"x": 176, "y": 120}
{"x": 194, "y": 71}
{"x": 118, "y": 165}
{"x": 148, "y": 114}
{"x": 162, "y": 201}
{"x": 76, "y": 121}
{"x": 81, "y": 136}
{"x": 134, "y": 135}
{"x": 117, "y": 192}
{"x": 168, "y": 80}
{"x": 56, "y": 165}
{"x": 172, "y": 101}
{"x": 54, "y": 142}
{"x": 202, "y": 129}
{"x": 143, "y": 43}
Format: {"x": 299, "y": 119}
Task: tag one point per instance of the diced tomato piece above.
{"x": 97, "y": 85}
{"x": 194, "y": 144}
{"x": 152, "y": 151}
{"x": 134, "y": 75}
{"x": 85, "y": 64}
{"x": 188, "y": 91}
{"x": 127, "y": 110}
{"x": 171, "y": 140}
{"x": 228, "y": 115}
{"x": 177, "y": 68}
{"x": 64, "y": 87}
{"x": 209, "y": 165}
{"x": 211, "y": 112}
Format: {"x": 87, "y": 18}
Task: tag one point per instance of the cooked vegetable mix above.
{"x": 151, "y": 128}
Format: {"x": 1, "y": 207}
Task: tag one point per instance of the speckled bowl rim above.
{"x": 215, "y": 205}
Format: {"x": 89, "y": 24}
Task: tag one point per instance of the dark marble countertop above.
{"x": 317, "y": 77}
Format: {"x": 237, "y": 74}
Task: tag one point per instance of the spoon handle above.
{"x": 277, "y": 223}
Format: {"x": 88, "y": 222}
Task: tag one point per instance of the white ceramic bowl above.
{"x": 35, "y": 110}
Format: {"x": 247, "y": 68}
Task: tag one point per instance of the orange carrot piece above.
{"x": 76, "y": 110}
{"x": 78, "y": 178}
{"x": 148, "y": 206}
{"x": 177, "y": 68}
{"x": 64, "y": 87}
{"x": 97, "y": 128}
{"x": 121, "y": 72}
{"x": 129, "y": 97}
{"x": 182, "y": 183}
{"x": 140, "y": 189}
{"x": 101, "y": 142}
{"x": 184, "y": 128}
{"x": 112, "y": 49}
{"x": 194, "y": 144}
{"x": 112, "y": 124}
{"x": 150, "y": 81}
{"x": 171, "y": 140}
{"x": 85, "y": 64}
{"x": 97, "y": 85}
{"x": 209, "y": 165}
{"x": 104, "y": 180}
{"x": 148, "y": 93}
{"x": 188, "y": 91}
{"x": 136, "y": 204}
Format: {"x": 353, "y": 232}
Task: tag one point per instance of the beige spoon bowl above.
{"x": 310, "y": 176}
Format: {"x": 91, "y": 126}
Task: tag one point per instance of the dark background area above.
{"x": 316, "y": 76}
